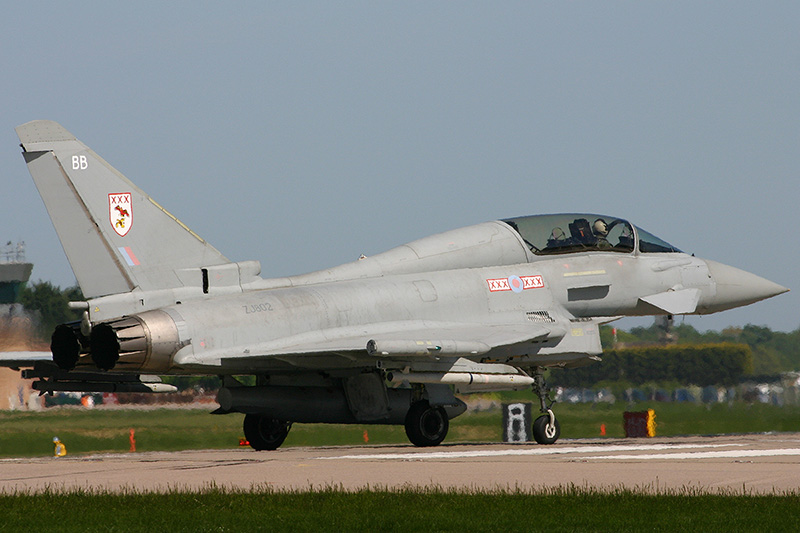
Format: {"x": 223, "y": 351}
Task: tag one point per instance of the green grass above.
{"x": 332, "y": 509}
{"x": 84, "y": 431}
{"x": 673, "y": 419}
{"x": 91, "y": 431}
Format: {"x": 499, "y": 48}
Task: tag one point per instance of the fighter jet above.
{"x": 386, "y": 339}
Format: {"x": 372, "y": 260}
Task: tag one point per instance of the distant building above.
{"x": 15, "y": 393}
{"x": 14, "y": 271}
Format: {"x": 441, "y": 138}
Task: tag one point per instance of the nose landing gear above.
{"x": 546, "y": 428}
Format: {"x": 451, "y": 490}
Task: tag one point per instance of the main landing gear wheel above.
{"x": 264, "y": 433}
{"x": 546, "y": 429}
{"x": 426, "y": 425}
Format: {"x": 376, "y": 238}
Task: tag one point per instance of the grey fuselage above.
{"x": 445, "y": 282}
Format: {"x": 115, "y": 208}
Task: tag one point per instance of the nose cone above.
{"x": 736, "y": 288}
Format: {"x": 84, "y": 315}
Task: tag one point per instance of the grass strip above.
{"x": 409, "y": 509}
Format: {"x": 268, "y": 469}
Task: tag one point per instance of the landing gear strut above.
{"x": 546, "y": 428}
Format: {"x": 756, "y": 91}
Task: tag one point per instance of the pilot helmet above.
{"x": 55, "y": 439}
{"x": 600, "y": 227}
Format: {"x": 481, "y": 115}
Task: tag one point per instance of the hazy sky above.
{"x": 306, "y": 134}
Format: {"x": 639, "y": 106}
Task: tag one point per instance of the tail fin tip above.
{"x": 37, "y": 135}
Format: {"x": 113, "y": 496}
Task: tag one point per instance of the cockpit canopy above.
{"x": 571, "y": 232}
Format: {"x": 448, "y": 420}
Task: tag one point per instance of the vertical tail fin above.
{"x": 115, "y": 236}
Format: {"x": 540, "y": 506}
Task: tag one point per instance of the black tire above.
{"x": 264, "y": 433}
{"x": 426, "y": 425}
{"x": 543, "y": 432}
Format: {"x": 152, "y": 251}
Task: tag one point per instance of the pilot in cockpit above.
{"x": 600, "y": 231}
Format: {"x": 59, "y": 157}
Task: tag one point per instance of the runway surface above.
{"x": 752, "y": 463}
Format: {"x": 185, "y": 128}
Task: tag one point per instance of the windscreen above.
{"x": 650, "y": 243}
{"x": 571, "y": 232}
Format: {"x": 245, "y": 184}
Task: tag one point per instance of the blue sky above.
{"x": 306, "y": 134}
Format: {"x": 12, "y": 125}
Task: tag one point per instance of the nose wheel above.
{"x": 546, "y": 428}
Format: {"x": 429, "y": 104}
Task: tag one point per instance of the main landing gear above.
{"x": 546, "y": 429}
{"x": 264, "y": 433}
{"x": 426, "y": 425}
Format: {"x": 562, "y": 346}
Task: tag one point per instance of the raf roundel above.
{"x": 120, "y": 212}
{"x": 515, "y": 283}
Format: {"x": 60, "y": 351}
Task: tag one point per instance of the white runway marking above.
{"x": 538, "y": 450}
{"x": 726, "y": 454}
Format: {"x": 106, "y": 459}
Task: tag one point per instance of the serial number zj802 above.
{"x": 257, "y": 308}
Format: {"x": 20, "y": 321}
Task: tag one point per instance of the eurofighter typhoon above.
{"x": 387, "y": 339}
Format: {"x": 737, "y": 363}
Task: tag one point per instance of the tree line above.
{"x": 697, "y": 364}
{"x": 48, "y": 306}
{"x": 773, "y": 351}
